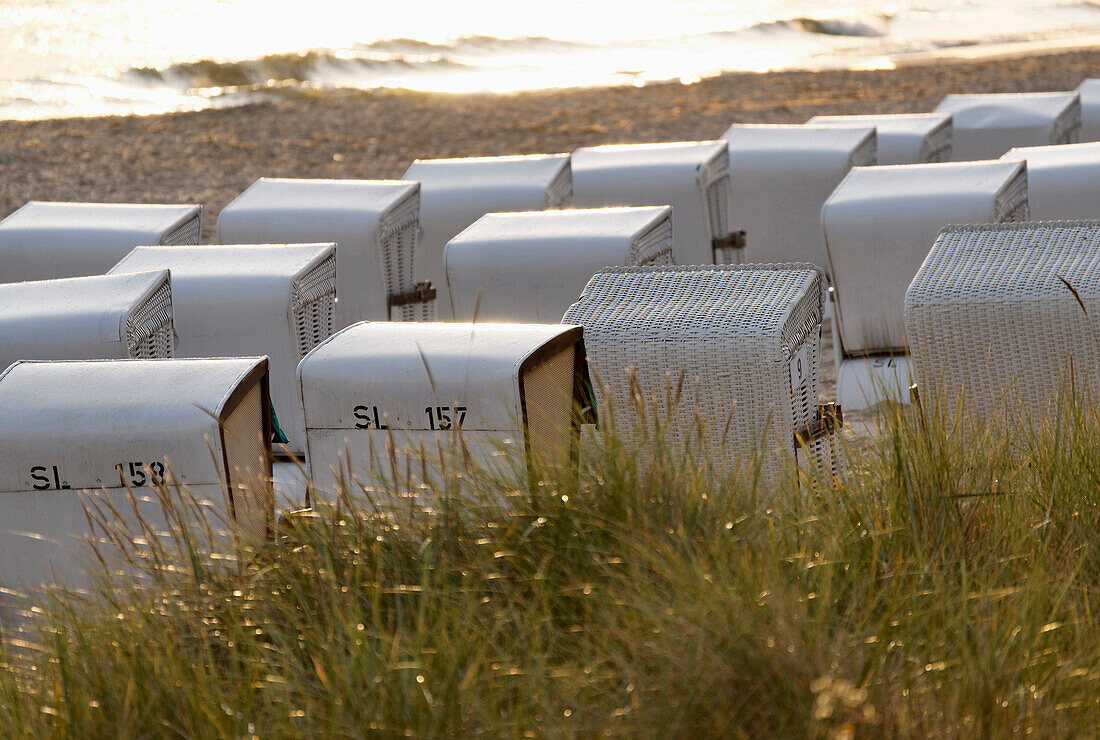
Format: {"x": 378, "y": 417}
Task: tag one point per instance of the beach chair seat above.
{"x": 986, "y": 125}
{"x": 97, "y": 317}
{"x": 903, "y": 138}
{"x": 723, "y": 358}
{"x": 374, "y": 223}
{"x": 781, "y": 175}
{"x": 1002, "y": 320}
{"x": 691, "y": 176}
{"x": 1089, "y": 91}
{"x": 45, "y": 241}
{"x": 112, "y": 429}
{"x": 879, "y": 225}
{"x": 456, "y": 192}
{"x": 276, "y": 300}
{"x": 1063, "y": 181}
{"x": 394, "y": 406}
{"x": 530, "y": 267}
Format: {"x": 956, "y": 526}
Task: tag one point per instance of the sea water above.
{"x": 96, "y": 57}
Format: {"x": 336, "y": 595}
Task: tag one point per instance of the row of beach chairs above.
{"x": 704, "y": 271}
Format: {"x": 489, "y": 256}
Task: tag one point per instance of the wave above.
{"x": 286, "y": 68}
{"x": 397, "y": 56}
{"x": 473, "y": 45}
{"x": 822, "y": 26}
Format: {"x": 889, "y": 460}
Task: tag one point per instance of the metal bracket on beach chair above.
{"x": 422, "y": 293}
{"x": 829, "y": 418}
{"x": 734, "y": 240}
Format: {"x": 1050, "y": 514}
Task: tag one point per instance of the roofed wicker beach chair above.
{"x": 986, "y": 125}
{"x": 1002, "y": 320}
{"x": 1063, "y": 182}
{"x": 45, "y": 241}
{"x": 125, "y": 433}
{"x": 394, "y": 406}
{"x": 1089, "y": 90}
{"x": 691, "y": 176}
{"x": 98, "y": 317}
{"x": 879, "y": 225}
{"x": 723, "y": 358}
{"x": 374, "y": 223}
{"x": 781, "y": 176}
{"x": 240, "y": 300}
{"x": 903, "y": 138}
{"x": 530, "y": 267}
{"x": 456, "y": 192}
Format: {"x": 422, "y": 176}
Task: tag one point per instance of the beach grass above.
{"x": 946, "y": 585}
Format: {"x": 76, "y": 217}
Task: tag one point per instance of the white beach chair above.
{"x": 781, "y": 176}
{"x": 1063, "y": 181}
{"x": 691, "y": 176}
{"x": 456, "y": 192}
{"x": 374, "y": 224}
{"x": 44, "y": 241}
{"x": 98, "y": 317}
{"x": 387, "y": 404}
{"x": 724, "y": 357}
{"x": 1089, "y": 90}
{"x": 529, "y": 267}
{"x": 238, "y": 300}
{"x": 879, "y": 225}
{"x": 988, "y": 125}
{"x": 1003, "y": 319}
{"x": 109, "y": 429}
{"x": 903, "y": 138}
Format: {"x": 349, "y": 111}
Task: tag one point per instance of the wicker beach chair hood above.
{"x": 232, "y": 300}
{"x": 530, "y": 267}
{"x": 457, "y": 192}
{"x": 44, "y": 241}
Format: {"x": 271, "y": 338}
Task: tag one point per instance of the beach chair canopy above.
{"x": 903, "y": 138}
{"x": 781, "y": 176}
{"x": 1089, "y": 91}
{"x": 1063, "y": 181}
{"x": 691, "y": 176}
{"x": 374, "y": 224}
{"x": 44, "y": 241}
{"x": 986, "y": 125}
{"x": 880, "y": 224}
{"x": 1002, "y": 319}
{"x": 457, "y": 192}
{"x": 530, "y": 267}
{"x": 87, "y": 318}
{"x": 276, "y": 300}
{"x": 126, "y": 427}
{"x": 723, "y": 357}
{"x": 468, "y": 390}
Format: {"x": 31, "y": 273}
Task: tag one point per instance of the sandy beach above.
{"x": 210, "y": 156}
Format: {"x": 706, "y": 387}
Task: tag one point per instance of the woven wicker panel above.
{"x": 717, "y": 194}
{"x": 1006, "y": 314}
{"x": 653, "y": 247}
{"x": 1067, "y": 127}
{"x": 560, "y": 192}
{"x": 866, "y": 154}
{"x": 313, "y": 306}
{"x": 937, "y": 146}
{"x": 186, "y": 233}
{"x": 398, "y": 233}
{"x": 706, "y": 351}
{"x": 149, "y": 330}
